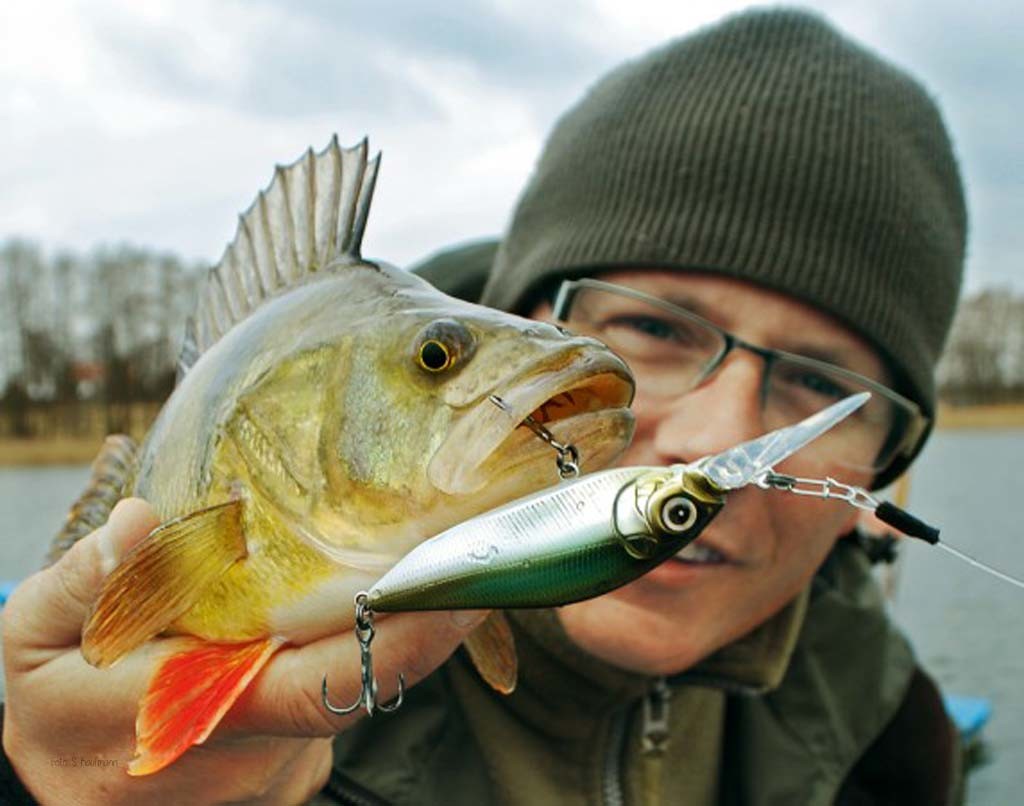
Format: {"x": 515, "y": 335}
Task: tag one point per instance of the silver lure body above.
{"x": 578, "y": 540}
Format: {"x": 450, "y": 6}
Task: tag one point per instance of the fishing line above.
{"x": 988, "y": 569}
{"x": 885, "y": 511}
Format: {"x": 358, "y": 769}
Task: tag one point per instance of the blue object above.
{"x": 970, "y": 714}
{"x": 7, "y": 587}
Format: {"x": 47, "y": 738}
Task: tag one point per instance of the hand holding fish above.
{"x": 73, "y": 743}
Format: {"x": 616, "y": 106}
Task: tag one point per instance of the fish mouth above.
{"x": 581, "y": 398}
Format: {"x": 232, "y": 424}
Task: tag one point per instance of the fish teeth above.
{"x": 697, "y": 553}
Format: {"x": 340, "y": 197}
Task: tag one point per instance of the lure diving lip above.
{"x": 745, "y": 463}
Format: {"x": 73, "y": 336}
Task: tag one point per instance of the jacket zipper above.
{"x": 611, "y": 779}
{"x": 653, "y": 739}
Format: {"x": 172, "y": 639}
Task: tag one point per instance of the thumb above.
{"x": 48, "y": 609}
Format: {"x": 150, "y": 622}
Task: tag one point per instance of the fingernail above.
{"x": 464, "y": 619}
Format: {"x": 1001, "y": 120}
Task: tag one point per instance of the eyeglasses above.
{"x": 671, "y": 351}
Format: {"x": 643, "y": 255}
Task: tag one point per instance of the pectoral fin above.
{"x": 189, "y": 695}
{"x": 492, "y": 649}
{"x": 161, "y": 579}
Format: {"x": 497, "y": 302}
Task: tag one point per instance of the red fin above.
{"x": 189, "y": 694}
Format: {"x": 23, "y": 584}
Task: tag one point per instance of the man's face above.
{"x": 765, "y": 546}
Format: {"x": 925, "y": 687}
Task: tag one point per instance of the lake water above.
{"x": 967, "y": 626}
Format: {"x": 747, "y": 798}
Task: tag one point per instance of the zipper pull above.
{"x": 654, "y": 735}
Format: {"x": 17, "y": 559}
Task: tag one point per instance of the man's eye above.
{"x": 817, "y": 383}
{"x": 646, "y": 325}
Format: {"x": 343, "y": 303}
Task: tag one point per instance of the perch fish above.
{"x": 332, "y": 413}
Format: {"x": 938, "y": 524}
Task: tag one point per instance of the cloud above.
{"x": 973, "y": 64}
{"x": 256, "y": 60}
{"x": 271, "y": 58}
{"x": 520, "y": 46}
{"x": 157, "y": 122}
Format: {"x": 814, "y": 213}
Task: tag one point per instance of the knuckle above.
{"x": 299, "y": 776}
{"x": 310, "y": 716}
{"x": 67, "y": 578}
{"x": 416, "y": 661}
{"x": 301, "y": 706}
{"x": 10, "y": 616}
{"x": 264, "y": 773}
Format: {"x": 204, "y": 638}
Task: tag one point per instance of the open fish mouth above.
{"x": 582, "y": 399}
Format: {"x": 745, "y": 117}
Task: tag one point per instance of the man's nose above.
{"x": 724, "y": 410}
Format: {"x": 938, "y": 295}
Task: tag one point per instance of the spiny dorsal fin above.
{"x": 313, "y": 212}
{"x": 112, "y": 472}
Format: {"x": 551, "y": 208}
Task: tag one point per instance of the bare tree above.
{"x": 984, "y": 359}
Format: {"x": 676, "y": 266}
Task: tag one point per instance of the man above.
{"x": 764, "y": 217}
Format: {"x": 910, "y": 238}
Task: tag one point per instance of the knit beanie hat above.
{"x": 460, "y": 270}
{"x": 768, "y": 148}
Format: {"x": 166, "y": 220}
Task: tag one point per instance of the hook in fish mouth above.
{"x": 568, "y": 456}
{"x": 580, "y": 398}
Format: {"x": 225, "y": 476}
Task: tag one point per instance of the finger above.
{"x": 286, "y": 698}
{"x": 49, "y": 608}
{"x": 303, "y": 776}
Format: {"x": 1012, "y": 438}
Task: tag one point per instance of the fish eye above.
{"x": 443, "y": 345}
{"x": 434, "y": 356}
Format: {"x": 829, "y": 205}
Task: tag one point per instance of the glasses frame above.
{"x": 918, "y": 422}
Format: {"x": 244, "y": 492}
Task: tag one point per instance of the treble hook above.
{"x": 368, "y": 695}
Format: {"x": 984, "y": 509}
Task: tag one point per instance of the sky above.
{"x": 155, "y": 123}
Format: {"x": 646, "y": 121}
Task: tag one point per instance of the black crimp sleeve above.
{"x": 906, "y": 523}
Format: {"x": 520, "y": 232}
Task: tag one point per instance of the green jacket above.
{"x": 823, "y": 704}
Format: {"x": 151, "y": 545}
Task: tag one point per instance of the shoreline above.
{"x": 987, "y": 417}
{"x": 82, "y": 450}
{"x": 42, "y": 452}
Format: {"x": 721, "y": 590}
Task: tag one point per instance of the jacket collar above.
{"x": 560, "y": 681}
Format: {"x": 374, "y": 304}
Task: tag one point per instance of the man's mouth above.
{"x": 699, "y": 554}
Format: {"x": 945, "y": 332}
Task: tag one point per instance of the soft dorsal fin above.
{"x": 312, "y": 214}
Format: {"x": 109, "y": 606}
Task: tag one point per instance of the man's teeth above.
{"x": 696, "y": 553}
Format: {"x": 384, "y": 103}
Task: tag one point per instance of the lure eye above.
{"x": 443, "y": 345}
{"x": 434, "y": 356}
{"x": 678, "y": 514}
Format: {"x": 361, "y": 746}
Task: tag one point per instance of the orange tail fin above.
{"x": 189, "y": 694}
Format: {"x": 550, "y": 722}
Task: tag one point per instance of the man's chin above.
{"x": 626, "y": 630}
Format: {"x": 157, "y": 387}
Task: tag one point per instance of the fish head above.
{"x": 420, "y": 432}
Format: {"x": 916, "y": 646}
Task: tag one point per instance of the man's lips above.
{"x": 700, "y": 553}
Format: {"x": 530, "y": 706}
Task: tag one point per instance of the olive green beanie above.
{"x": 769, "y": 148}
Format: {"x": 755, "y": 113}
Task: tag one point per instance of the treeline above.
{"x": 984, "y": 359}
{"x": 89, "y": 342}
